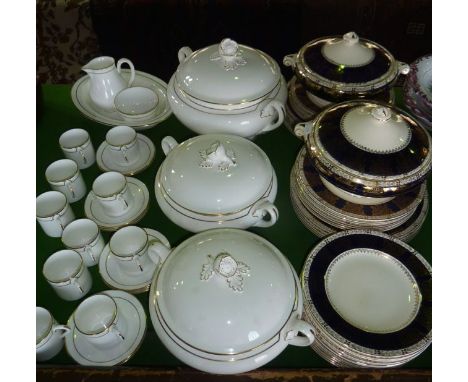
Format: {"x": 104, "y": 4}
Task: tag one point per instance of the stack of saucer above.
{"x": 325, "y": 213}
{"x": 368, "y": 297}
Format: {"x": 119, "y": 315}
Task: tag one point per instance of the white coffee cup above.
{"x": 49, "y": 335}
{"x": 53, "y": 212}
{"x": 134, "y": 251}
{"x": 76, "y": 145}
{"x": 64, "y": 175}
{"x": 112, "y": 192}
{"x": 123, "y": 145}
{"x": 84, "y": 236}
{"x": 66, "y": 272}
{"x": 99, "y": 319}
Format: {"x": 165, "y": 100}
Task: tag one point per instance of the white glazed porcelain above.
{"x": 231, "y": 183}
{"x": 136, "y": 210}
{"x": 49, "y": 335}
{"x": 85, "y": 352}
{"x": 372, "y": 291}
{"x": 228, "y": 88}
{"x": 135, "y": 252}
{"x": 115, "y": 276}
{"x": 106, "y": 81}
{"x": 84, "y": 236}
{"x": 111, "y": 117}
{"x": 123, "y": 144}
{"x": 111, "y": 189}
{"x": 76, "y": 145}
{"x": 53, "y": 212}
{"x": 227, "y": 301}
{"x": 67, "y": 275}
{"x": 64, "y": 175}
{"x": 98, "y": 319}
{"x": 106, "y": 154}
{"x": 135, "y": 102}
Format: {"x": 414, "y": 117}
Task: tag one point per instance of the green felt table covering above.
{"x": 58, "y": 114}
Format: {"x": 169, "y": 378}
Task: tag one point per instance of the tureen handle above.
{"x": 290, "y": 60}
{"x": 158, "y": 251}
{"x": 66, "y": 330}
{"x": 272, "y": 108}
{"x": 184, "y": 52}
{"x": 167, "y": 144}
{"x": 261, "y": 209}
{"x": 403, "y": 68}
{"x": 297, "y": 327}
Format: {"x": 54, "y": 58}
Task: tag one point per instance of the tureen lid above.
{"x": 227, "y": 73}
{"x": 369, "y": 147}
{"x": 225, "y": 291}
{"x": 347, "y": 64}
{"x": 215, "y": 173}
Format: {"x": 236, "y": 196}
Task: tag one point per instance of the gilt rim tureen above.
{"x": 368, "y": 148}
{"x": 227, "y": 301}
{"x": 340, "y": 67}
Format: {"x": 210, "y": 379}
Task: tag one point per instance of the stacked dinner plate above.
{"x": 325, "y": 213}
{"x": 368, "y": 296}
{"x": 418, "y": 90}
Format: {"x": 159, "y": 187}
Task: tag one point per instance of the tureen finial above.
{"x": 226, "y": 266}
{"x": 381, "y": 113}
{"x": 228, "y": 51}
{"x": 351, "y": 38}
{"x": 217, "y": 156}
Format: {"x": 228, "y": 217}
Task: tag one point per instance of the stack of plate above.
{"x": 368, "y": 296}
{"x": 418, "y": 90}
{"x": 324, "y": 213}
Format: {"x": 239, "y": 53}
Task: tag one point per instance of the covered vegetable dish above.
{"x": 227, "y": 301}
{"x": 216, "y": 180}
{"x": 337, "y": 68}
{"x": 367, "y": 148}
{"x": 228, "y": 88}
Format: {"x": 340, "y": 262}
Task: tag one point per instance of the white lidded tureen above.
{"x": 216, "y": 180}
{"x": 227, "y": 301}
{"x": 228, "y": 88}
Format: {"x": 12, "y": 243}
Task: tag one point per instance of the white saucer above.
{"x": 82, "y": 100}
{"x": 113, "y": 276}
{"x": 86, "y": 353}
{"x": 134, "y": 214}
{"x": 147, "y": 151}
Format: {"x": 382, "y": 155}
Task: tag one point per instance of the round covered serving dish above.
{"x": 216, "y": 180}
{"x": 228, "y": 88}
{"x": 338, "y": 68}
{"x": 368, "y": 149}
{"x": 227, "y": 301}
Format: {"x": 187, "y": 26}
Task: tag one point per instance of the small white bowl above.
{"x": 135, "y": 103}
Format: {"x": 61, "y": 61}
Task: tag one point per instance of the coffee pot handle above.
{"x": 132, "y": 69}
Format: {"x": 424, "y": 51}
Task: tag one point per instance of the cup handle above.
{"x": 290, "y": 60}
{"x": 56, "y": 218}
{"x": 89, "y": 251}
{"x": 167, "y": 144}
{"x": 75, "y": 282}
{"x": 303, "y": 129}
{"x": 263, "y": 208}
{"x": 65, "y": 328}
{"x": 114, "y": 328}
{"x": 132, "y": 69}
{"x": 272, "y": 108}
{"x": 124, "y": 202}
{"x": 124, "y": 152}
{"x": 403, "y": 68}
{"x": 68, "y": 184}
{"x": 80, "y": 150}
{"x": 300, "y": 327}
{"x": 157, "y": 251}
{"x": 184, "y": 52}
{"x": 137, "y": 261}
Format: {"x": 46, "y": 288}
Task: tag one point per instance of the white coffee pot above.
{"x": 105, "y": 80}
